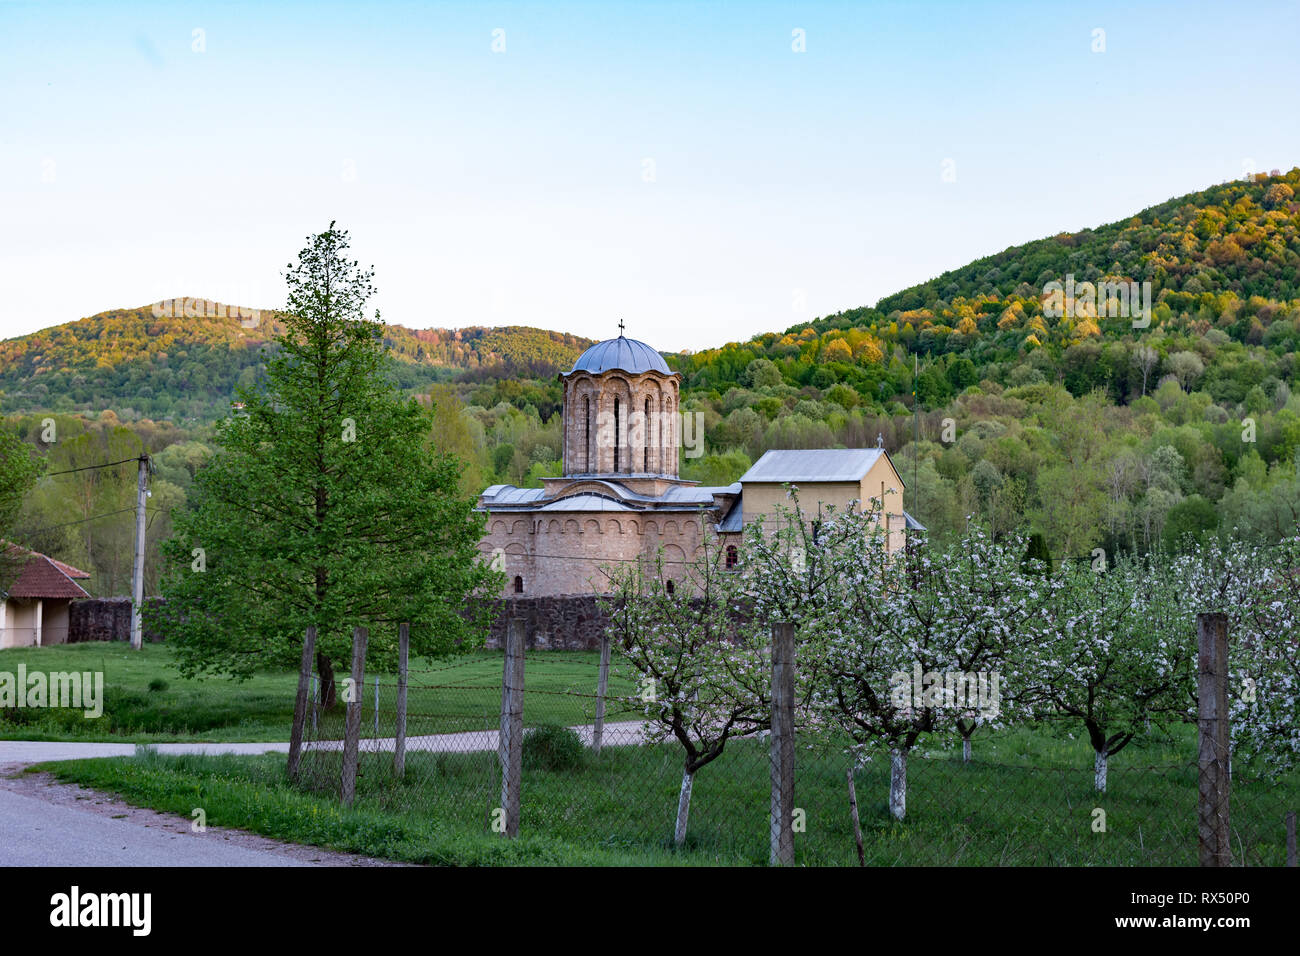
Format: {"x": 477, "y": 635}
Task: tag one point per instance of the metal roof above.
{"x": 628, "y": 355}
{"x": 813, "y": 464}
{"x": 735, "y": 519}
{"x": 587, "y": 502}
{"x": 913, "y": 524}
{"x": 676, "y": 498}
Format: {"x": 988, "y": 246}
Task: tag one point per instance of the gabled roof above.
{"x": 44, "y": 577}
{"x": 813, "y": 464}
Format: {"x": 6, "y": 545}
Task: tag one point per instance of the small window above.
{"x": 733, "y": 556}
{"x": 671, "y": 587}
{"x": 519, "y": 584}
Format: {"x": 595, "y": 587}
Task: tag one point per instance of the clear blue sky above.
{"x": 493, "y": 188}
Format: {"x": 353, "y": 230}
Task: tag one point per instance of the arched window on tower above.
{"x": 645, "y": 454}
{"x": 586, "y": 435}
{"x": 519, "y": 584}
{"x": 617, "y": 449}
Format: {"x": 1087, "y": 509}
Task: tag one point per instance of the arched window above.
{"x": 733, "y": 556}
{"x": 586, "y": 435}
{"x": 519, "y": 584}
{"x": 645, "y": 457}
{"x": 617, "y": 449}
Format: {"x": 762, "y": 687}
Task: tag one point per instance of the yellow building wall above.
{"x": 761, "y": 498}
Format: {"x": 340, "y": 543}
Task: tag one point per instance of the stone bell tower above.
{"x": 621, "y": 417}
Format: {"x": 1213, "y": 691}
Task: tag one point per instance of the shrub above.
{"x": 157, "y": 684}
{"x": 552, "y": 747}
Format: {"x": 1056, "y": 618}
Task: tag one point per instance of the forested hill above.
{"x": 185, "y": 366}
{"x": 1226, "y": 258}
{"x": 1239, "y": 237}
{"x": 1072, "y": 423}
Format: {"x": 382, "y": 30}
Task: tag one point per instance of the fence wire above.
{"x": 622, "y": 789}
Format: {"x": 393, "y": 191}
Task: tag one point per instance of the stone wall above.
{"x": 567, "y": 623}
{"x": 103, "y": 619}
{"x": 571, "y": 622}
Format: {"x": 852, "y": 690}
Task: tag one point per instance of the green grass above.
{"x": 1027, "y": 799}
{"x": 444, "y": 696}
{"x": 250, "y": 793}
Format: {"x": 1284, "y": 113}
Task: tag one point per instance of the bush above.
{"x": 552, "y": 747}
{"x": 157, "y": 684}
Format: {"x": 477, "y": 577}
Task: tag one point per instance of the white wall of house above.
{"x": 20, "y": 624}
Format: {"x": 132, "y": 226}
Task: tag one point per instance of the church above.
{"x": 621, "y": 498}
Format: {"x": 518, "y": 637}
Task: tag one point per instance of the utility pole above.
{"x": 916, "y": 438}
{"x": 137, "y": 573}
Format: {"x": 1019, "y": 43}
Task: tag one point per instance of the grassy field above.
{"x": 1027, "y": 799}
{"x": 147, "y": 701}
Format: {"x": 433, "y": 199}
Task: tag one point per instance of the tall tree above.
{"x": 19, "y": 469}
{"x": 325, "y": 505}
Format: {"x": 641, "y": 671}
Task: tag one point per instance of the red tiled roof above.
{"x": 67, "y": 569}
{"x": 43, "y": 577}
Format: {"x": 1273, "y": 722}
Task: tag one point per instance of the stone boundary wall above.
{"x": 567, "y": 622}
{"x": 103, "y": 619}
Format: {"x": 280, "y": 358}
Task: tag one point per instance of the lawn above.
{"x": 147, "y": 701}
{"x": 1026, "y": 799}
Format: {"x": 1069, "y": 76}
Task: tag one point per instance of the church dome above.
{"x": 625, "y": 354}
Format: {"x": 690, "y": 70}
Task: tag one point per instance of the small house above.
{"x": 34, "y": 610}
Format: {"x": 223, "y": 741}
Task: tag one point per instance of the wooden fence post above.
{"x": 782, "y": 743}
{"x": 403, "y": 655}
{"x": 352, "y": 727}
{"x": 300, "y": 702}
{"x": 1214, "y": 784}
{"x": 512, "y": 725}
{"x": 602, "y": 687}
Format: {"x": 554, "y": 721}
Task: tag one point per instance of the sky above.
{"x": 704, "y": 171}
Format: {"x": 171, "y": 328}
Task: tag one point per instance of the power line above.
{"x": 67, "y": 524}
{"x": 111, "y": 464}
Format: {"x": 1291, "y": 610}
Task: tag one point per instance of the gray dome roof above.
{"x": 629, "y": 355}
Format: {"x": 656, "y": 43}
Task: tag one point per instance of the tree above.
{"x": 1145, "y": 359}
{"x": 703, "y": 680}
{"x": 1113, "y": 650}
{"x": 324, "y": 505}
{"x": 19, "y": 469}
{"x": 921, "y": 647}
{"x": 1187, "y": 367}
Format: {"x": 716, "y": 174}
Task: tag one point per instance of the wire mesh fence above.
{"x": 605, "y": 777}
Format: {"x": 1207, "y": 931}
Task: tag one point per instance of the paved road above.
{"x": 36, "y": 832}
{"x": 623, "y": 733}
{"x": 43, "y": 823}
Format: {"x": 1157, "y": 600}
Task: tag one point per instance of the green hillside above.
{"x": 1078, "y": 425}
{"x": 186, "y": 366}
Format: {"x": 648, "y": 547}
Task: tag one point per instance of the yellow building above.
{"x": 823, "y": 476}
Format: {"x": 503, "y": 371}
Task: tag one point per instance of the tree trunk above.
{"x": 898, "y": 783}
{"x": 683, "y": 808}
{"x": 853, "y": 813}
{"x": 1099, "y": 773}
{"x": 328, "y": 689}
